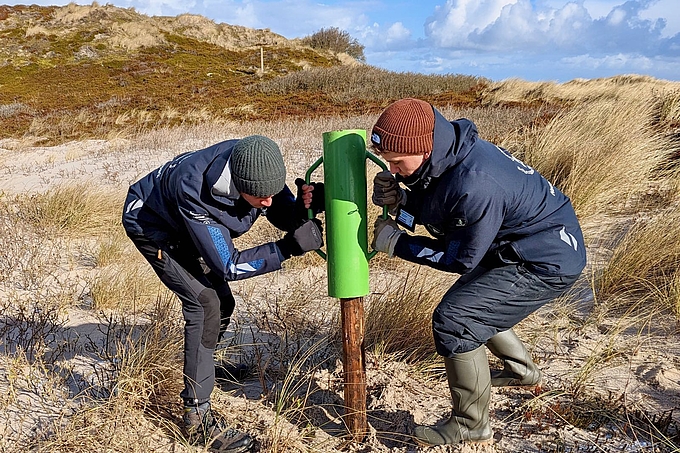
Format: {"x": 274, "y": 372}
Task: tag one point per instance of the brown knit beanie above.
{"x": 406, "y": 127}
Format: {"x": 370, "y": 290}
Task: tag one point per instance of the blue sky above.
{"x": 534, "y": 40}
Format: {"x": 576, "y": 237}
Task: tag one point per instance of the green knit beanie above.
{"x": 257, "y": 166}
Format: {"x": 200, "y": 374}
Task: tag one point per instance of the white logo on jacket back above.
{"x": 569, "y": 238}
{"x": 204, "y": 219}
{"x": 524, "y": 168}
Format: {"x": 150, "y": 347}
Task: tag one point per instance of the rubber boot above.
{"x": 469, "y": 382}
{"x": 518, "y": 368}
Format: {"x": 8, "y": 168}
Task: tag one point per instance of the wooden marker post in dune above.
{"x": 344, "y": 163}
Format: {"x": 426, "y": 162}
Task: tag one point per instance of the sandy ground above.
{"x": 590, "y": 362}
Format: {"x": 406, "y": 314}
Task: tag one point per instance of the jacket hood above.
{"x": 218, "y": 178}
{"x": 452, "y": 142}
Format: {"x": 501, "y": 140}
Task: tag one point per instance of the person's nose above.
{"x": 266, "y": 202}
{"x": 393, "y": 168}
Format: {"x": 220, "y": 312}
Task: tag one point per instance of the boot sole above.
{"x": 242, "y": 449}
{"x": 537, "y": 386}
{"x": 481, "y": 442}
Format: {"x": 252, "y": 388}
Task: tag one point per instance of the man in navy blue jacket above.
{"x": 183, "y": 216}
{"x": 511, "y": 234}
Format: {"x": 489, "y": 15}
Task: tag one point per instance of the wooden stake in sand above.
{"x": 353, "y": 359}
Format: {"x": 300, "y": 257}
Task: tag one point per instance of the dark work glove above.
{"x": 386, "y": 191}
{"x": 305, "y": 238}
{"x": 318, "y": 198}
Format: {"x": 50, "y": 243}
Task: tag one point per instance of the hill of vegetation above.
{"x": 91, "y": 71}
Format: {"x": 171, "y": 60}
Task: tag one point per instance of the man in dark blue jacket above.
{"x": 183, "y": 216}
{"x": 511, "y": 234}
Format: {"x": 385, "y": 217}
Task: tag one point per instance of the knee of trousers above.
{"x": 453, "y": 334}
{"x": 210, "y": 302}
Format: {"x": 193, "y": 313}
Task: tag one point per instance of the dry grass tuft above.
{"x": 644, "y": 264}
{"x": 399, "y": 311}
{"x": 138, "y": 389}
{"x": 124, "y": 286}
{"x": 77, "y": 209}
{"x": 577, "y": 91}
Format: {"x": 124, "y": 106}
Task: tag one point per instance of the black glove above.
{"x": 386, "y": 191}
{"x": 318, "y": 198}
{"x": 300, "y": 241}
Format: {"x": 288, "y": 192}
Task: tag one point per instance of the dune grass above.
{"x": 74, "y": 209}
{"x": 604, "y": 161}
{"x": 398, "y": 311}
{"x": 644, "y": 264}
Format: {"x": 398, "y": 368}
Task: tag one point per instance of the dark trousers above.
{"x": 207, "y": 305}
{"x": 487, "y": 301}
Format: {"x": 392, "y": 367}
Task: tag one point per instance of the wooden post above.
{"x": 261, "y": 60}
{"x": 353, "y": 359}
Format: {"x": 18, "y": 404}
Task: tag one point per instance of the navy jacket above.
{"x": 191, "y": 203}
{"x": 479, "y": 202}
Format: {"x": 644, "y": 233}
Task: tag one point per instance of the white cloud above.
{"x": 618, "y": 62}
{"x": 246, "y": 16}
{"x": 668, "y": 9}
{"x": 544, "y": 27}
{"x": 599, "y": 8}
{"x": 397, "y": 32}
{"x": 290, "y": 18}
{"x": 452, "y": 24}
{"x": 397, "y": 35}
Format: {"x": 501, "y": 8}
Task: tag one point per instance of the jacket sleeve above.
{"x": 214, "y": 243}
{"x": 471, "y": 228}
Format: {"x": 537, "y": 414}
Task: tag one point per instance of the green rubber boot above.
{"x": 469, "y": 382}
{"x": 518, "y": 368}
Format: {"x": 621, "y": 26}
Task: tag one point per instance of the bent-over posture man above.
{"x": 511, "y": 234}
{"x": 183, "y": 216}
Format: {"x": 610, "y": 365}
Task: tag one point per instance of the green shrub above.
{"x": 337, "y": 40}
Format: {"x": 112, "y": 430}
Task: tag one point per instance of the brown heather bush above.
{"x": 368, "y": 84}
{"x": 335, "y": 40}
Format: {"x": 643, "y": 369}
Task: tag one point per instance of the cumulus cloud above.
{"x": 536, "y": 27}
{"x": 396, "y": 37}
{"x": 290, "y": 18}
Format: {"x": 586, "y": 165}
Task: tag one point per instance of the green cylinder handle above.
{"x": 308, "y": 180}
{"x": 385, "y": 212}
